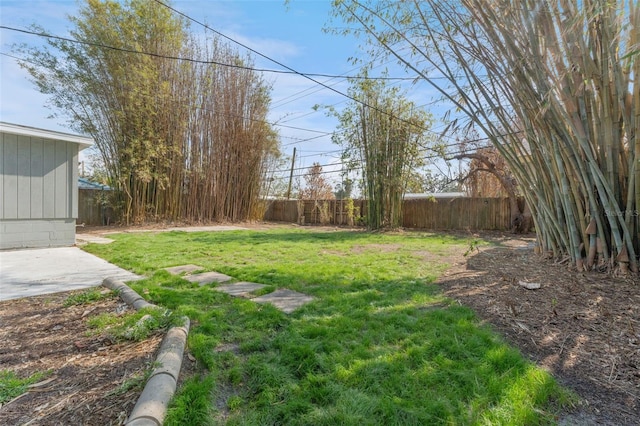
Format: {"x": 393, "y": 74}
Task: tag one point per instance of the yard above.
{"x": 381, "y": 343}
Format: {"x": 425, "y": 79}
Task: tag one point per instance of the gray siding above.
{"x": 39, "y": 178}
{"x": 39, "y": 187}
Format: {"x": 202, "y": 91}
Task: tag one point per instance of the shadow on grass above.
{"x": 379, "y": 345}
{"x": 379, "y": 352}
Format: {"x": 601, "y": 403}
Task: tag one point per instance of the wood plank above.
{"x": 61, "y": 182}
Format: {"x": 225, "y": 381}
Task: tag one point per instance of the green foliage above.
{"x": 569, "y": 134}
{"x": 121, "y": 84}
{"x": 191, "y": 405}
{"x": 385, "y": 133}
{"x": 12, "y": 386}
{"x": 86, "y": 297}
{"x": 378, "y": 345}
{"x": 473, "y": 246}
{"x": 135, "y": 326}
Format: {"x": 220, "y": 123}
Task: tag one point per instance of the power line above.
{"x": 199, "y": 61}
{"x": 359, "y": 166}
{"x": 291, "y": 71}
{"x": 323, "y": 133}
{"x": 307, "y": 76}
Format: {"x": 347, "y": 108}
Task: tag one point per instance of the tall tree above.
{"x": 565, "y": 70}
{"x": 316, "y": 185}
{"x": 386, "y": 134}
{"x": 168, "y": 130}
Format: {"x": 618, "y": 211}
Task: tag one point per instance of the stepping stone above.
{"x": 208, "y": 277}
{"x": 241, "y": 289}
{"x": 87, "y": 238}
{"x": 285, "y": 300}
{"x": 183, "y": 269}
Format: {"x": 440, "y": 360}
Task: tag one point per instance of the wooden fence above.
{"x": 92, "y": 208}
{"x": 441, "y": 213}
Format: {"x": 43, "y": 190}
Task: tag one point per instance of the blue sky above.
{"x": 289, "y": 33}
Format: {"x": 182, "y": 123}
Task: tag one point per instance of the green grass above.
{"x": 136, "y": 325}
{"x": 87, "y": 297}
{"x": 12, "y": 386}
{"x": 379, "y": 345}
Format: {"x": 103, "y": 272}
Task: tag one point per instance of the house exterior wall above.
{"x": 39, "y": 187}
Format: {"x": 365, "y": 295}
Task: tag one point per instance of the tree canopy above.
{"x": 565, "y": 71}
{"x": 385, "y": 133}
{"x": 180, "y": 138}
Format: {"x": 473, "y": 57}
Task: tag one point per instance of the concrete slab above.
{"x": 285, "y": 300}
{"x": 183, "y": 269}
{"x": 82, "y": 239}
{"x": 25, "y": 273}
{"x": 241, "y": 289}
{"x": 208, "y": 278}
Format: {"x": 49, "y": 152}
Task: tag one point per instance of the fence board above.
{"x": 442, "y": 213}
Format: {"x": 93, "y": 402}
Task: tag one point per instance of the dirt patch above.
{"x": 384, "y": 248}
{"x": 88, "y": 374}
{"x": 584, "y": 328}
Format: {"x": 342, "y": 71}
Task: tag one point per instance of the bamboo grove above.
{"x": 553, "y": 85}
{"x": 385, "y": 133}
{"x": 180, "y": 136}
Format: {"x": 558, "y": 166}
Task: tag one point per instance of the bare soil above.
{"x": 583, "y": 328}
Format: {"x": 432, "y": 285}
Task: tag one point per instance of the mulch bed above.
{"x": 583, "y": 327}
{"x": 87, "y": 371}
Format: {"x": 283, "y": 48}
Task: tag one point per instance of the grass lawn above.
{"x": 378, "y": 346}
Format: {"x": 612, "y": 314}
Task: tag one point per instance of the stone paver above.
{"x": 241, "y": 289}
{"x": 183, "y": 269}
{"x": 285, "y": 300}
{"x": 82, "y": 239}
{"x": 208, "y": 278}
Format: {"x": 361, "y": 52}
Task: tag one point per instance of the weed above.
{"x": 12, "y": 386}
{"x": 137, "y": 381}
{"x": 86, "y": 297}
{"x": 136, "y": 326}
{"x": 473, "y": 246}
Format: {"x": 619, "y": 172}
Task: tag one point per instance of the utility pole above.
{"x": 293, "y": 162}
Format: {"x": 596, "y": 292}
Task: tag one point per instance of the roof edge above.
{"x": 19, "y": 129}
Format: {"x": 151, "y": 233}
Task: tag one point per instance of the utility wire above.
{"x": 200, "y": 61}
{"x": 307, "y": 76}
{"x": 323, "y": 133}
{"x": 359, "y": 166}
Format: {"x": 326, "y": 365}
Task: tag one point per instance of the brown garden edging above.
{"x": 151, "y": 407}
